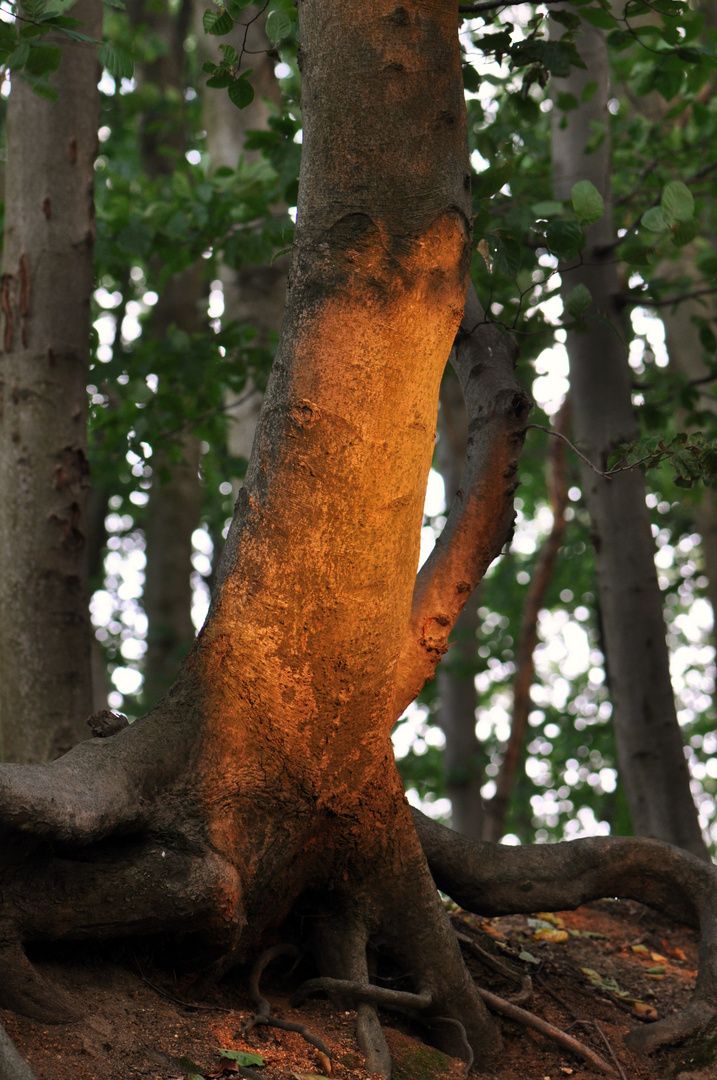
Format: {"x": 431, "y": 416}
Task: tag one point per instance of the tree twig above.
{"x": 573, "y": 447}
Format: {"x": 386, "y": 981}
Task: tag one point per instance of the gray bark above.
{"x": 45, "y": 681}
{"x": 463, "y": 756}
{"x": 649, "y": 742}
{"x": 252, "y": 294}
{"x": 176, "y": 494}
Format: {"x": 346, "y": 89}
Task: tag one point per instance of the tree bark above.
{"x": 266, "y": 774}
{"x": 650, "y": 750}
{"x": 45, "y": 680}
{"x": 463, "y": 757}
{"x": 175, "y": 501}
{"x": 252, "y": 294}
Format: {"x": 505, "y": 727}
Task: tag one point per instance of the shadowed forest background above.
{"x": 576, "y": 695}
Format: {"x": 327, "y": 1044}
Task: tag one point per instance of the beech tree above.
{"x": 45, "y": 682}
{"x": 649, "y": 741}
{"x": 266, "y": 774}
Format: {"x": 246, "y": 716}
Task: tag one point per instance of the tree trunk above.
{"x": 175, "y": 500}
{"x": 649, "y": 743}
{"x": 252, "y": 294}
{"x": 267, "y": 774}
{"x": 45, "y": 680}
{"x": 463, "y": 757}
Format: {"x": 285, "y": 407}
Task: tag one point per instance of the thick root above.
{"x": 12, "y": 1065}
{"x": 23, "y": 990}
{"x": 493, "y": 880}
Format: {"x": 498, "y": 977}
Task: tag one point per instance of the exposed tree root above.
{"x": 263, "y": 1014}
{"x": 526, "y": 983}
{"x": 12, "y": 1065}
{"x": 376, "y": 995}
{"x": 470, "y": 1056}
{"x": 493, "y": 880}
{"x": 528, "y": 1019}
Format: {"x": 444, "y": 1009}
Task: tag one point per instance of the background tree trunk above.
{"x": 463, "y": 757}
{"x": 175, "y": 500}
{"x": 45, "y": 680}
{"x": 252, "y": 294}
{"x": 649, "y": 742}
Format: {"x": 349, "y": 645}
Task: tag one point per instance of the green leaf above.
{"x": 117, "y": 61}
{"x": 18, "y": 58}
{"x": 708, "y": 339}
{"x": 471, "y": 79}
{"x": 492, "y": 179}
{"x": 587, "y": 202}
{"x": 685, "y": 232}
{"x": 230, "y": 57}
{"x": 43, "y": 58}
{"x": 588, "y": 92}
{"x": 236, "y": 7}
{"x": 278, "y": 25}
{"x": 217, "y": 22}
{"x": 599, "y": 17}
{"x": 567, "y": 18}
{"x": 547, "y": 209}
{"x": 566, "y": 102}
{"x": 654, "y": 220}
{"x": 118, "y": 5}
{"x": 221, "y": 80}
{"x": 242, "y": 1057}
{"x": 33, "y": 8}
{"x": 677, "y": 203}
{"x": 563, "y": 238}
{"x": 241, "y": 92}
{"x": 578, "y": 300}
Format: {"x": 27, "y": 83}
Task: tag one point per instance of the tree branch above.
{"x": 525, "y": 666}
{"x": 492, "y": 880}
{"x": 480, "y": 521}
{"x": 490, "y": 5}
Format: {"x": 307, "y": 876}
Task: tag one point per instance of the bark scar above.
{"x": 24, "y": 297}
{"x": 72, "y": 470}
{"x": 73, "y": 539}
{"x": 5, "y": 303}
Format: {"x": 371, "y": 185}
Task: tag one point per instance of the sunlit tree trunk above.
{"x": 45, "y": 681}
{"x": 650, "y": 750}
{"x": 265, "y": 778}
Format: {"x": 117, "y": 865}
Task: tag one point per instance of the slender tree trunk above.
{"x": 173, "y": 513}
{"x": 685, "y": 351}
{"x": 252, "y": 294}
{"x": 649, "y": 742}
{"x": 497, "y": 808}
{"x": 463, "y": 755}
{"x": 45, "y": 680}
{"x": 175, "y": 501}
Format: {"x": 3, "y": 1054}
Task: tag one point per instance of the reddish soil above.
{"x": 137, "y": 1023}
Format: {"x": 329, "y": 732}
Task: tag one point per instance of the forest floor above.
{"x": 596, "y": 972}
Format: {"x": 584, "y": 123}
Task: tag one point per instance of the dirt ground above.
{"x": 595, "y": 972}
